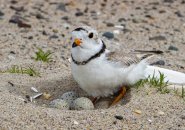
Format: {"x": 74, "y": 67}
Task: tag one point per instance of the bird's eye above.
{"x": 91, "y": 35}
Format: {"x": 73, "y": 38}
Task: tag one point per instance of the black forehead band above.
{"x": 79, "y": 29}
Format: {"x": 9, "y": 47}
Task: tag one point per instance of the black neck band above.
{"x": 91, "y": 58}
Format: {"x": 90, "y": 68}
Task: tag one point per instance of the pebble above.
{"x": 11, "y": 57}
{"x": 119, "y": 117}
{"x": 121, "y": 19}
{"x": 65, "y": 18}
{"x": 119, "y": 26}
{"x": 62, "y": 7}
{"x": 179, "y": 14}
{"x": 79, "y": 14}
{"x": 69, "y": 97}
{"x": 137, "y": 112}
{"x": 159, "y": 62}
{"x": 158, "y": 38}
{"x": 108, "y": 35}
{"x": 1, "y": 13}
{"x": 83, "y": 103}
{"x": 18, "y": 9}
{"x": 60, "y": 104}
{"x": 116, "y": 32}
{"x": 75, "y": 122}
{"x": 15, "y": 19}
{"x": 23, "y": 25}
{"x": 161, "y": 113}
{"x": 39, "y": 16}
{"x": 168, "y": 1}
{"x": 53, "y": 37}
{"x": 173, "y": 48}
{"x": 110, "y": 24}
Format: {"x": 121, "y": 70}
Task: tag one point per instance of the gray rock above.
{"x": 108, "y": 35}
{"x": 1, "y": 13}
{"x": 173, "y": 48}
{"x": 110, "y": 24}
{"x": 83, "y": 103}
{"x": 60, "y": 104}
{"x": 79, "y": 13}
{"x": 160, "y": 62}
{"x": 53, "y": 37}
{"x": 179, "y": 14}
{"x": 62, "y": 7}
{"x": 158, "y": 38}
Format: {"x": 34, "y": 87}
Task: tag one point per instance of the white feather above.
{"x": 173, "y": 77}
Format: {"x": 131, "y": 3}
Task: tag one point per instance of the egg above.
{"x": 60, "y": 104}
{"x": 83, "y": 103}
{"x": 69, "y": 97}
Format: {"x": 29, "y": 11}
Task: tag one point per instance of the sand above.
{"x": 147, "y": 25}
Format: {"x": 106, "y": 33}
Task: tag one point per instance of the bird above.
{"x": 100, "y": 75}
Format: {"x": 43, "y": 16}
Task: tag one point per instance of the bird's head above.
{"x": 85, "y": 43}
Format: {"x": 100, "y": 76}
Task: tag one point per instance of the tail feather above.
{"x": 173, "y": 77}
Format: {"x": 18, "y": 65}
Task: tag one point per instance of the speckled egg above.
{"x": 83, "y": 103}
{"x": 60, "y": 104}
{"x": 69, "y": 97}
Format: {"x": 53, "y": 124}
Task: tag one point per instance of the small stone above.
{"x": 44, "y": 33}
{"x": 160, "y": 113}
{"x": 119, "y": 117}
{"x": 179, "y": 14}
{"x": 183, "y": 117}
{"x": 55, "y": 30}
{"x": 116, "y": 32}
{"x": 30, "y": 37}
{"x": 79, "y": 14}
{"x": 12, "y": 52}
{"x": 11, "y": 57}
{"x": 135, "y": 20}
{"x": 62, "y": 7}
{"x": 15, "y": 19}
{"x": 1, "y": 13}
{"x": 65, "y": 18}
{"x": 60, "y": 104}
{"x": 23, "y": 25}
{"x": 53, "y": 37}
{"x": 75, "y": 122}
{"x": 110, "y": 25}
{"x": 121, "y": 20}
{"x": 108, "y": 35}
{"x": 173, "y": 48}
{"x": 119, "y": 26}
{"x": 158, "y": 38}
{"x": 83, "y": 103}
{"x": 18, "y": 9}
{"x": 125, "y": 30}
{"x": 137, "y": 111}
{"x": 39, "y": 16}
{"x": 46, "y": 95}
{"x": 168, "y": 1}
{"x": 160, "y": 62}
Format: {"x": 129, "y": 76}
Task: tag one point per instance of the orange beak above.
{"x": 77, "y": 41}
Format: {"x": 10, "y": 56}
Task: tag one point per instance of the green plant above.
{"x": 20, "y": 70}
{"x": 43, "y": 56}
{"x": 153, "y": 81}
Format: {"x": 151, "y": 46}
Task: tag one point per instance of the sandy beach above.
{"x": 26, "y": 25}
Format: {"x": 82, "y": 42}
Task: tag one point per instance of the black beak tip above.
{"x": 74, "y": 45}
